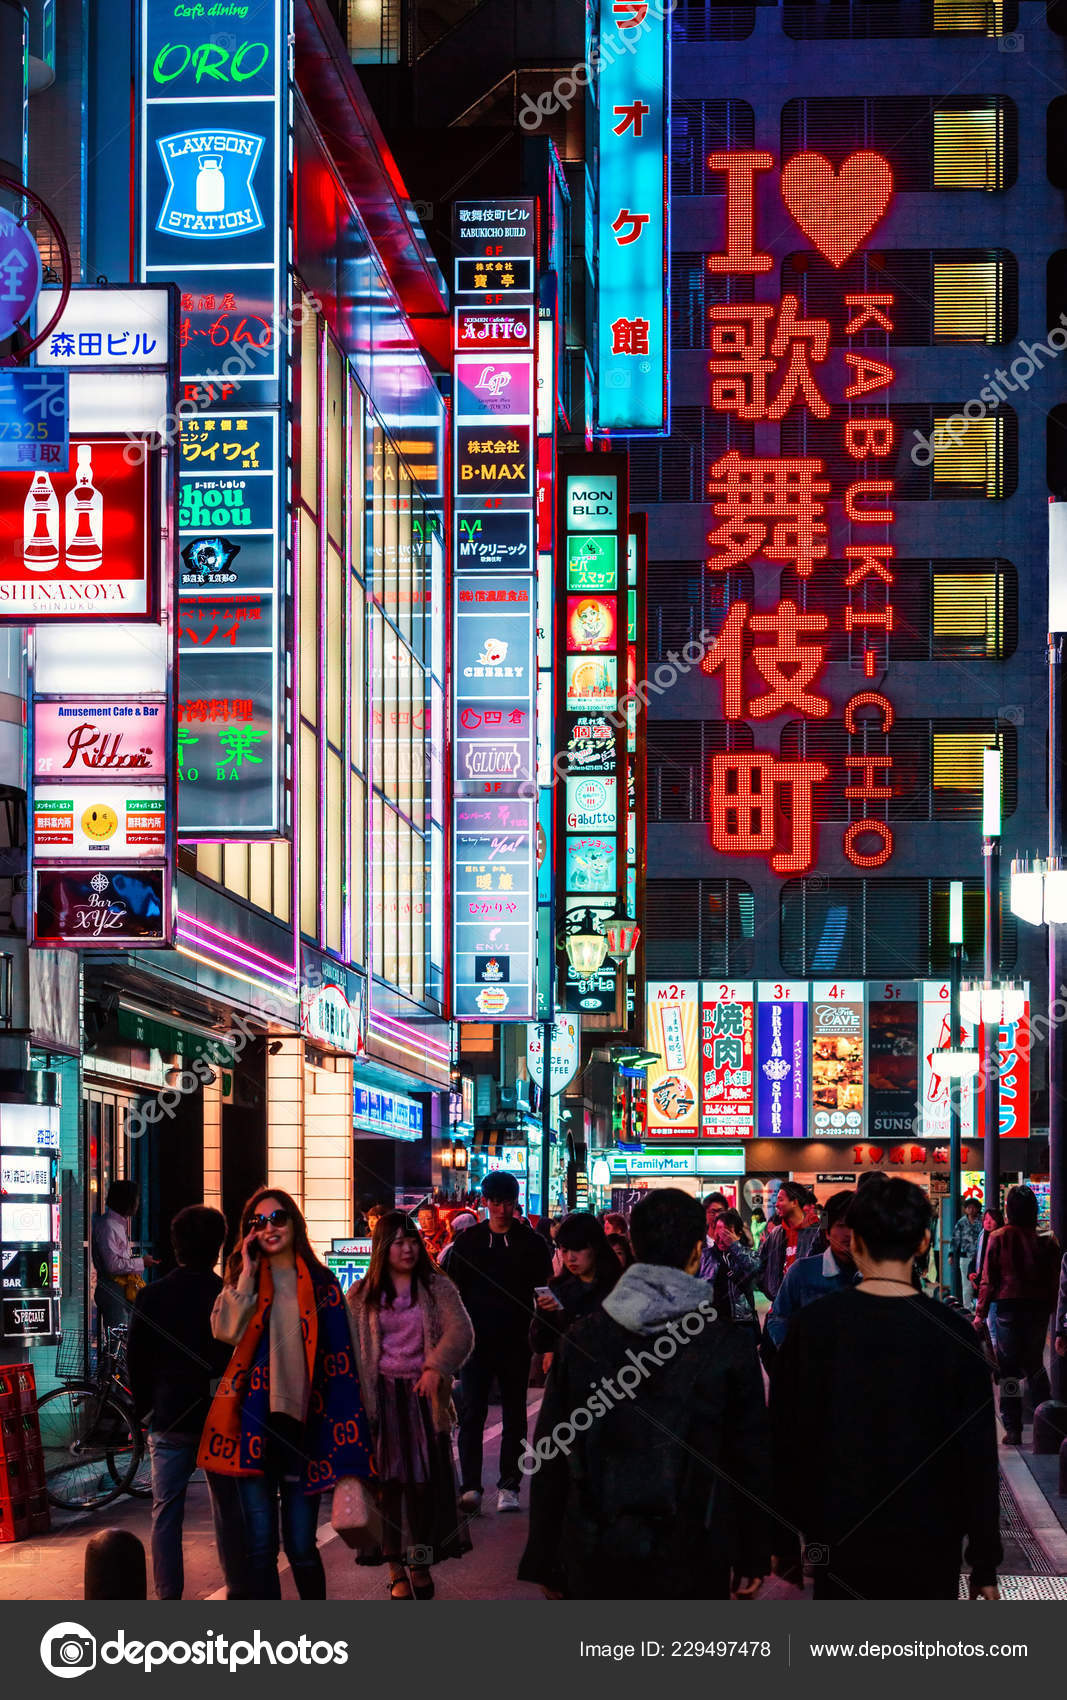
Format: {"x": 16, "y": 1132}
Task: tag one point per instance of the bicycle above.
{"x": 94, "y": 1446}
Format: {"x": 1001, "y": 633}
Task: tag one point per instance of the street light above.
{"x": 585, "y": 944}
{"x": 623, "y": 933}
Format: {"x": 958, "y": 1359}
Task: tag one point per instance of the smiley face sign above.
{"x": 99, "y": 822}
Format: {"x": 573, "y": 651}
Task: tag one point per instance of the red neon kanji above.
{"x": 632, "y": 116}
{"x": 755, "y": 491}
{"x": 636, "y": 223}
{"x": 635, "y": 11}
{"x": 743, "y": 815}
{"x": 739, "y": 376}
{"x": 629, "y": 336}
{"x": 740, "y": 169}
{"x": 788, "y": 689}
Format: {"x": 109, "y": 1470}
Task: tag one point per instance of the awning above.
{"x": 139, "y": 1028}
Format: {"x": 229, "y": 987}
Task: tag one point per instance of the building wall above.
{"x": 766, "y": 69}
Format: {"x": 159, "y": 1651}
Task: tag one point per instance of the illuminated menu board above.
{"x": 774, "y": 365}
{"x": 29, "y": 1223}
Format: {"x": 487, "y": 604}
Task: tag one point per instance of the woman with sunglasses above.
{"x": 288, "y": 1420}
{"x": 412, "y": 1334}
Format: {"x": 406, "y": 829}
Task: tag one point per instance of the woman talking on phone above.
{"x": 590, "y": 1270}
{"x": 288, "y": 1420}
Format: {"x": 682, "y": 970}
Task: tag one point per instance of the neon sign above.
{"x": 632, "y": 302}
{"x": 769, "y": 361}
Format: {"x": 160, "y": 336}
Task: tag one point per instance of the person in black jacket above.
{"x": 590, "y": 1270}
{"x": 885, "y": 1453}
{"x": 496, "y": 1266}
{"x": 651, "y": 1459}
{"x": 172, "y": 1360}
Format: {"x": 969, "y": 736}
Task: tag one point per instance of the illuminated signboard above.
{"x": 98, "y": 822}
{"x": 783, "y": 1059}
{"x": 494, "y": 617}
{"x": 494, "y": 871}
{"x": 214, "y": 168}
{"x": 938, "y": 1088}
{"x": 105, "y": 326}
{"x": 100, "y": 909}
{"x": 592, "y": 631}
{"x": 838, "y": 1059}
{"x": 34, "y": 420}
{"x": 390, "y": 1113}
{"x": 229, "y": 706}
{"x": 728, "y": 1061}
{"x": 893, "y": 1008}
{"x": 99, "y": 740}
{"x": 672, "y": 1029}
{"x": 80, "y": 541}
{"x": 771, "y": 364}
{"x": 632, "y": 238}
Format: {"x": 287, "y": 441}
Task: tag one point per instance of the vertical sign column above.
{"x": 636, "y": 794}
{"x": 592, "y": 622}
{"x": 494, "y": 666}
{"x": 633, "y": 239}
{"x": 214, "y": 215}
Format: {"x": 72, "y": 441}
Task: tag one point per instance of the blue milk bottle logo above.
{"x": 209, "y": 184}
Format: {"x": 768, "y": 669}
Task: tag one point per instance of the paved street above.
{"x": 50, "y": 1568}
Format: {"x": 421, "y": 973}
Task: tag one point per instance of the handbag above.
{"x": 355, "y": 1515}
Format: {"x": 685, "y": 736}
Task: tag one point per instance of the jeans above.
{"x": 259, "y": 1497}
{"x": 173, "y": 1462}
{"x": 1021, "y": 1331}
{"x": 228, "y": 1519}
{"x": 510, "y": 1364}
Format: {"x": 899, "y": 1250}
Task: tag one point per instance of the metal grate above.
{"x": 970, "y": 143}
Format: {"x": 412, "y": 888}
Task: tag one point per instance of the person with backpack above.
{"x": 650, "y": 1462}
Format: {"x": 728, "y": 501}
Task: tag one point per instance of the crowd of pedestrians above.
{"x": 690, "y": 1439}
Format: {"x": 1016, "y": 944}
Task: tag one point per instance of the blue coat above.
{"x": 810, "y": 1278}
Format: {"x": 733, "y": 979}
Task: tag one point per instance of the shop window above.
{"x": 957, "y": 761}
{"x": 973, "y": 17}
{"x": 940, "y": 295}
{"x": 874, "y": 20}
{"x": 698, "y": 927}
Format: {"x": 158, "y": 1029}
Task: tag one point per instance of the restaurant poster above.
{"x": 892, "y": 1058}
{"x": 727, "y": 1060}
{"x": 934, "y": 1108}
{"x": 838, "y": 1073}
{"x": 672, "y": 1031}
{"x": 783, "y": 1059}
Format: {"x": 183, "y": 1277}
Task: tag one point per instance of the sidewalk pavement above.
{"x": 50, "y": 1567}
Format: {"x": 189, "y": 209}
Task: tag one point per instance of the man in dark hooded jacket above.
{"x": 651, "y": 1454}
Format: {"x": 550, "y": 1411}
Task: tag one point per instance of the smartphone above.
{"x": 547, "y": 1293}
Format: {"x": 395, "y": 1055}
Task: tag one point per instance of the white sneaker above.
{"x": 470, "y": 1500}
{"x": 508, "y": 1500}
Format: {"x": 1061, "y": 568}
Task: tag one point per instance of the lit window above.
{"x": 970, "y": 454}
{"x": 969, "y": 613}
{"x": 969, "y": 17}
{"x": 968, "y": 301}
{"x": 969, "y": 148}
{"x": 958, "y": 760}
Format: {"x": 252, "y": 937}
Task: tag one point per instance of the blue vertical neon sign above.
{"x": 632, "y": 303}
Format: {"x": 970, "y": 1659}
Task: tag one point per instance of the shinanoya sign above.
{"x": 633, "y": 239}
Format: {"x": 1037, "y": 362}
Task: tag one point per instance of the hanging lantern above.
{"x": 622, "y": 933}
{"x": 585, "y": 945}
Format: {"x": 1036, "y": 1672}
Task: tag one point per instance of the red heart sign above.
{"x": 836, "y": 210}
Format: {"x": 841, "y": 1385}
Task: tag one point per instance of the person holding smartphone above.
{"x": 590, "y": 1270}
{"x": 288, "y": 1419}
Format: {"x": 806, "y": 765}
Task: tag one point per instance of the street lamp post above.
{"x": 955, "y": 1163}
{"x": 991, "y": 794}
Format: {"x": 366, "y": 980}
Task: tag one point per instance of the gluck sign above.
{"x": 770, "y": 365}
